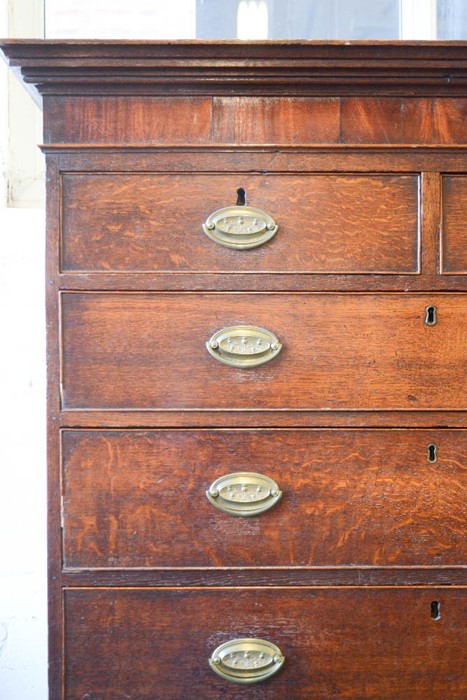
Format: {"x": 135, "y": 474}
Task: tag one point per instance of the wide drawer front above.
{"x": 349, "y": 497}
{"x": 155, "y": 645}
{"x": 339, "y": 351}
{"x": 345, "y": 223}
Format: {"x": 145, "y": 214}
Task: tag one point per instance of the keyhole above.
{"x": 430, "y": 318}
{"x": 432, "y": 453}
{"x": 435, "y": 610}
{"x": 241, "y": 198}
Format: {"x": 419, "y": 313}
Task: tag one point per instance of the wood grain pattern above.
{"x": 454, "y": 229}
{"x": 54, "y": 534}
{"x": 431, "y": 215}
{"x": 361, "y": 497}
{"x": 327, "y": 223}
{"x": 265, "y": 281}
{"x": 113, "y": 119}
{"x": 240, "y": 68}
{"x": 340, "y": 351}
{"x": 258, "y": 159}
{"x": 364, "y": 576}
{"x": 386, "y": 120}
{"x": 251, "y": 120}
{"x": 373, "y": 122}
{"x": 159, "y": 642}
{"x": 146, "y": 120}
{"x": 450, "y": 120}
{"x": 260, "y": 418}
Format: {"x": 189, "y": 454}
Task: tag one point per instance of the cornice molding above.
{"x": 241, "y": 68}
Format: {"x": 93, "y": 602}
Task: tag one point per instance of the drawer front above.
{"x": 153, "y": 222}
{"x": 355, "y": 497}
{"x": 340, "y": 351}
{"x": 378, "y": 644}
{"x": 454, "y": 230}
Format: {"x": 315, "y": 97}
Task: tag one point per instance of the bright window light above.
{"x": 120, "y": 19}
{"x": 252, "y": 20}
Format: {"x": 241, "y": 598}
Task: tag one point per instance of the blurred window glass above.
{"x": 257, "y": 19}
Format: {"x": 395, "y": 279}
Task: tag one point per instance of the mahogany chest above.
{"x": 256, "y": 267}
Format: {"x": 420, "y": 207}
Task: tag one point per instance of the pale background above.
{"x": 23, "y": 556}
{"x": 23, "y": 629}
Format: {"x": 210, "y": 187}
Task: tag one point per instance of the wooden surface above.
{"x": 264, "y": 68}
{"x": 339, "y": 352}
{"x": 345, "y": 223}
{"x": 255, "y": 120}
{"x": 267, "y": 418}
{"x": 454, "y": 233}
{"x": 355, "y": 497}
{"x": 375, "y": 644}
{"x": 358, "y": 150}
{"x": 368, "y": 165}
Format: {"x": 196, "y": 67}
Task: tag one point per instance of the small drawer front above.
{"x": 377, "y": 644}
{"x": 339, "y": 351}
{"x": 454, "y": 230}
{"x": 345, "y": 223}
{"x": 349, "y": 497}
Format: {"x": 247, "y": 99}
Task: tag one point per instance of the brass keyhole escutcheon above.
{"x": 432, "y": 453}
{"x": 430, "y": 315}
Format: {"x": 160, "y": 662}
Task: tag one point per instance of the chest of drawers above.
{"x": 298, "y": 358}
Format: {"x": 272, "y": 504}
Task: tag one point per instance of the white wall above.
{"x": 23, "y": 629}
{"x": 23, "y": 553}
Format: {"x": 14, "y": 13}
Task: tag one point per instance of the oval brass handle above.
{"x": 246, "y": 660}
{"x": 244, "y": 346}
{"x": 244, "y": 493}
{"x": 240, "y": 227}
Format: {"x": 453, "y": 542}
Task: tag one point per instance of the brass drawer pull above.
{"x": 240, "y": 227}
{"x": 244, "y": 346}
{"x": 244, "y": 493}
{"x": 246, "y": 660}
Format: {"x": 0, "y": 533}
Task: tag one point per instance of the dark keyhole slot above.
{"x": 432, "y": 456}
{"x": 435, "y": 610}
{"x": 430, "y": 318}
{"x": 241, "y": 198}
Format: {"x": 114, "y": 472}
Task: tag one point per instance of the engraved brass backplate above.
{"x": 240, "y": 227}
{"x": 244, "y": 493}
{"x": 244, "y": 346}
{"x": 246, "y": 660}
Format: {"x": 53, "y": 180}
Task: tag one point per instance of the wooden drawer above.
{"x": 378, "y": 644}
{"x": 136, "y": 499}
{"x": 340, "y": 351}
{"x": 345, "y": 223}
{"x": 454, "y": 231}
{"x": 356, "y": 151}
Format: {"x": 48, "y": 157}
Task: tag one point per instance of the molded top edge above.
{"x": 58, "y": 67}
{"x": 101, "y": 48}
